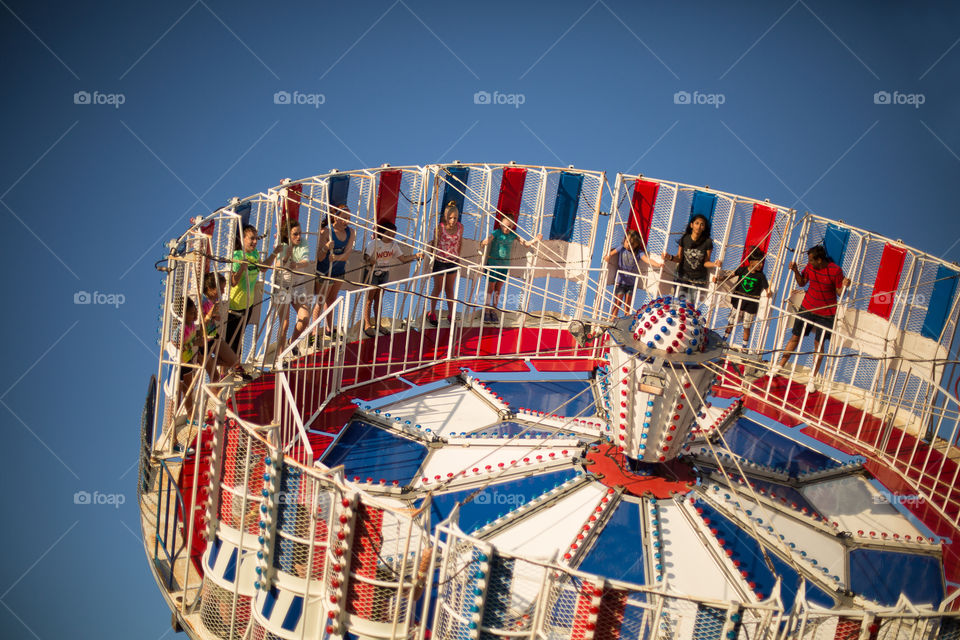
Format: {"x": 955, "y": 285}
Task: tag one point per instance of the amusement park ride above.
{"x": 543, "y": 464}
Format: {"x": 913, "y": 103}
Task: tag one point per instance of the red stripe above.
{"x": 388, "y": 195}
{"x": 761, "y": 228}
{"x": 290, "y": 202}
{"x": 612, "y": 606}
{"x": 888, "y": 277}
{"x": 581, "y": 614}
{"x": 511, "y": 192}
{"x": 641, "y": 207}
{"x": 366, "y": 550}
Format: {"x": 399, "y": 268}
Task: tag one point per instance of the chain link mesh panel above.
{"x": 217, "y": 607}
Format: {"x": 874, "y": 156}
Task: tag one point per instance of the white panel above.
{"x": 449, "y": 410}
{"x": 454, "y": 459}
{"x": 690, "y": 568}
{"x": 551, "y": 530}
{"x": 856, "y": 505}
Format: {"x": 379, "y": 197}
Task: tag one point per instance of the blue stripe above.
{"x": 455, "y": 186}
{"x": 940, "y": 302}
{"x": 496, "y": 609}
{"x": 565, "y": 207}
{"x": 231, "y": 573}
{"x": 835, "y": 241}
{"x": 704, "y": 205}
{"x": 268, "y": 603}
{"x": 214, "y": 551}
{"x": 293, "y": 614}
{"x": 244, "y": 212}
{"x": 339, "y": 188}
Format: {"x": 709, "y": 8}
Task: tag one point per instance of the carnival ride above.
{"x": 557, "y": 473}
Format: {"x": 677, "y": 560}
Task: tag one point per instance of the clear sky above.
{"x": 179, "y": 115}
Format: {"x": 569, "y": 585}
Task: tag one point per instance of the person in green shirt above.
{"x": 498, "y": 259}
{"x": 243, "y": 281}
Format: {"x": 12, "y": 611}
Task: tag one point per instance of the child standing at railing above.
{"x": 693, "y": 256}
{"x": 819, "y": 306}
{"x": 296, "y": 288}
{"x": 246, "y": 271}
{"x": 380, "y": 254}
{"x": 626, "y": 260}
{"x": 749, "y": 283}
{"x": 447, "y": 240}
{"x": 501, "y": 245}
{"x": 219, "y": 351}
{"x": 334, "y": 247}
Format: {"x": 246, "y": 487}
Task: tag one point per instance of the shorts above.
{"x": 497, "y": 274}
{"x": 623, "y": 289}
{"x": 441, "y": 265}
{"x": 808, "y": 321}
{"x": 377, "y": 277}
{"x": 331, "y": 268}
{"x": 748, "y": 306}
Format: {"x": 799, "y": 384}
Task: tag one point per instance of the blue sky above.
{"x": 88, "y": 192}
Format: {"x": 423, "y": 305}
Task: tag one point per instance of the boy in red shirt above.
{"x": 819, "y": 305}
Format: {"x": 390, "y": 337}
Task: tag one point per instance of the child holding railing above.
{"x": 243, "y": 281}
{"x": 498, "y": 259}
{"x": 750, "y": 282}
{"x": 380, "y": 254}
{"x": 220, "y": 352}
{"x": 334, "y": 247}
{"x": 627, "y": 260}
{"x": 296, "y": 288}
{"x": 447, "y": 240}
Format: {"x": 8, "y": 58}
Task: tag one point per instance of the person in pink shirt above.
{"x": 447, "y": 241}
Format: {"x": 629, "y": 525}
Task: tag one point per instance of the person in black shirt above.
{"x": 693, "y": 256}
{"x": 749, "y": 283}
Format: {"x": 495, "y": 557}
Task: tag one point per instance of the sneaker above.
{"x": 295, "y": 351}
{"x": 370, "y": 332}
{"x": 811, "y": 386}
{"x": 432, "y": 318}
{"x": 490, "y": 316}
{"x": 384, "y": 331}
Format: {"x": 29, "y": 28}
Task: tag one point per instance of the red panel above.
{"x": 511, "y": 192}
{"x": 610, "y": 617}
{"x": 290, "y": 202}
{"x": 641, "y": 207}
{"x": 388, "y": 195}
{"x": 583, "y": 612}
{"x": 367, "y": 542}
{"x": 761, "y": 228}
{"x": 888, "y": 277}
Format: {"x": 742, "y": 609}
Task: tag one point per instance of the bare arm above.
{"x": 801, "y": 279}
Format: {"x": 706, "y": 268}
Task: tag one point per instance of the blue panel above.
{"x": 289, "y": 512}
{"x": 565, "y": 207}
{"x": 214, "y": 552}
{"x": 618, "y": 553}
{"x": 547, "y": 395}
{"x": 709, "y": 623}
{"x": 941, "y": 299}
{"x": 778, "y": 491}
{"x": 883, "y": 575}
{"x": 268, "y": 602}
{"x": 243, "y": 211}
{"x": 455, "y": 187}
{"x": 765, "y": 446}
{"x": 496, "y": 499}
{"x": 835, "y": 242}
{"x": 704, "y": 205}
{"x": 339, "y": 188}
{"x": 293, "y": 614}
{"x": 497, "y": 607}
{"x": 230, "y": 573}
{"x": 367, "y": 451}
{"x": 506, "y": 429}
